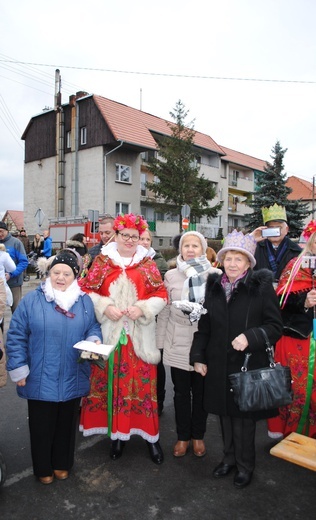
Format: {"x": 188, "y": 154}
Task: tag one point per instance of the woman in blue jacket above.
{"x": 45, "y": 366}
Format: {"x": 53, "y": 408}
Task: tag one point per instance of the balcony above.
{"x": 241, "y": 183}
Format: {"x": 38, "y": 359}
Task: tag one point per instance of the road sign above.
{"x": 185, "y": 223}
{"x": 185, "y": 211}
{"x": 40, "y": 216}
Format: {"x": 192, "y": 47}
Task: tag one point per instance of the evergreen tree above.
{"x": 177, "y": 175}
{"x": 270, "y": 189}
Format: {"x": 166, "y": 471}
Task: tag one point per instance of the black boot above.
{"x": 156, "y": 452}
{"x": 117, "y": 449}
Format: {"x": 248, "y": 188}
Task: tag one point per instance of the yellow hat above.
{"x": 275, "y": 212}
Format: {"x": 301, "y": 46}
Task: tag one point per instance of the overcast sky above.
{"x": 245, "y": 70}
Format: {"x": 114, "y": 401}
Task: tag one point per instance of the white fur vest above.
{"x": 122, "y": 294}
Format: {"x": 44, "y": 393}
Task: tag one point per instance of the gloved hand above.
{"x": 193, "y": 309}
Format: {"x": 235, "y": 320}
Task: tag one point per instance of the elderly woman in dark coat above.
{"x": 239, "y": 302}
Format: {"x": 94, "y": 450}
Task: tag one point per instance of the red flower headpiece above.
{"x": 309, "y": 229}
{"x": 129, "y": 220}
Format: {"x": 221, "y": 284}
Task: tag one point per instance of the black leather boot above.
{"x": 117, "y": 449}
{"x": 156, "y": 452}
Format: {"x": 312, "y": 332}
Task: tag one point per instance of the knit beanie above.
{"x": 67, "y": 258}
{"x": 3, "y": 225}
{"x": 196, "y": 234}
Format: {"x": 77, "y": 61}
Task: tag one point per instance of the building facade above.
{"x": 92, "y": 154}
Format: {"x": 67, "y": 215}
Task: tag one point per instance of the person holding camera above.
{"x": 274, "y": 248}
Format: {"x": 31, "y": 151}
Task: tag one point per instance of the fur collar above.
{"x": 255, "y": 282}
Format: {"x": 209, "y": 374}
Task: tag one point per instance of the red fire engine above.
{"x": 63, "y": 228}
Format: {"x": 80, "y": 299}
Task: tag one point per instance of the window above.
{"x": 146, "y": 156}
{"x": 68, "y": 139}
{"x": 143, "y": 180}
{"x": 235, "y": 178}
{"x": 121, "y": 207}
{"x": 83, "y": 135}
{"x": 123, "y": 173}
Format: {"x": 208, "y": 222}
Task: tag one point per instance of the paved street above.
{"x": 133, "y": 488}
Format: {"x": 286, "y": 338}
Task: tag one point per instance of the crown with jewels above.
{"x": 237, "y": 241}
{"x": 274, "y": 212}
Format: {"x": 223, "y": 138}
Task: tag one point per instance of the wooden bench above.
{"x": 298, "y": 449}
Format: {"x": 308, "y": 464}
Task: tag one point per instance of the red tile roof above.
{"x": 241, "y": 159}
{"x": 301, "y": 189}
{"x": 134, "y": 126}
{"x": 17, "y": 217}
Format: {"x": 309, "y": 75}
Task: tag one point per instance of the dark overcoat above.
{"x": 253, "y": 304}
{"x": 261, "y": 255}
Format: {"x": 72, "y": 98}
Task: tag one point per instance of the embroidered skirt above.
{"x": 133, "y": 403}
{"x": 294, "y": 353}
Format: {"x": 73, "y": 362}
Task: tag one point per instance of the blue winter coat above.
{"x": 16, "y": 250}
{"x": 42, "y": 338}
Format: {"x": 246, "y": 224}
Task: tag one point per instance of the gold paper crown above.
{"x": 274, "y": 212}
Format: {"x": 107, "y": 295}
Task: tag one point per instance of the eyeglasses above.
{"x": 126, "y": 237}
{"x": 66, "y": 313}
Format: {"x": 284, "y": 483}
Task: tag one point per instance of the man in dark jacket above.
{"x": 274, "y": 252}
{"x": 106, "y": 233}
{"x": 16, "y": 250}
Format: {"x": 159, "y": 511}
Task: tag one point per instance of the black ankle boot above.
{"x": 117, "y": 449}
{"x": 156, "y": 452}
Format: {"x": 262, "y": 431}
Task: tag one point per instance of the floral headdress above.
{"x": 309, "y": 229}
{"x": 129, "y": 220}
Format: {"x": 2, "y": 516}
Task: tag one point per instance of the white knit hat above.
{"x": 196, "y": 234}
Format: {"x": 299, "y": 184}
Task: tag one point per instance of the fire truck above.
{"x": 63, "y": 228}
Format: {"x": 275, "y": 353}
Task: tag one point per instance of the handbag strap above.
{"x": 269, "y": 349}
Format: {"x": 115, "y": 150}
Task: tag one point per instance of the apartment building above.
{"x": 92, "y": 153}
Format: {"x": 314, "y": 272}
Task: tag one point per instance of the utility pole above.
{"x": 313, "y": 198}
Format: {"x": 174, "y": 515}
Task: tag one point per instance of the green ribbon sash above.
{"x": 122, "y": 341}
{"x": 310, "y": 377}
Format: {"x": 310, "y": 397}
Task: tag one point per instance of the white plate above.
{"x": 90, "y": 346}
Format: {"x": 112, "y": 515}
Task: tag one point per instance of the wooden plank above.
{"x": 298, "y": 449}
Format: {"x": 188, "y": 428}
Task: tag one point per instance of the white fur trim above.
{"x": 123, "y": 294}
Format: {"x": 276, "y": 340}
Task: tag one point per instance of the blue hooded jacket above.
{"x": 16, "y": 250}
{"x": 42, "y": 338}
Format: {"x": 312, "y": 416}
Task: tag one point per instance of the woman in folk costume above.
{"x": 127, "y": 291}
{"x": 296, "y": 348}
{"x": 175, "y": 328}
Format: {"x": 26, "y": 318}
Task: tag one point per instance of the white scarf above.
{"x": 64, "y": 299}
{"x": 196, "y": 271}
{"x": 111, "y": 251}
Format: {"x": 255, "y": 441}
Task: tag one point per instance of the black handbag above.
{"x": 264, "y": 388}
